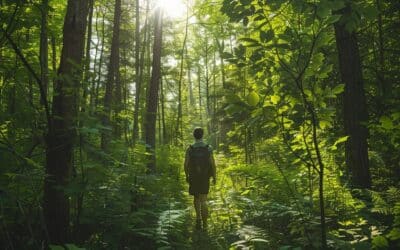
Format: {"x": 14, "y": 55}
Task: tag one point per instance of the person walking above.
{"x": 199, "y": 168}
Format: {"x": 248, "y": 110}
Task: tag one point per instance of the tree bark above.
{"x": 151, "y": 104}
{"x": 96, "y": 94}
{"x": 85, "y": 83}
{"x": 355, "y": 108}
{"x": 112, "y": 78}
{"x": 138, "y": 64}
{"x": 44, "y": 48}
{"x": 385, "y": 86}
{"x": 164, "y": 129}
{"x": 61, "y": 136}
{"x": 190, "y": 85}
{"x": 182, "y": 56}
{"x": 199, "y": 90}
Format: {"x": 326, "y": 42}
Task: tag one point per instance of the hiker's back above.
{"x": 199, "y": 161}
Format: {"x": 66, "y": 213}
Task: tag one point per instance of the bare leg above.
{"x": 197, "y": 208}
{"x": 204, "y": 209}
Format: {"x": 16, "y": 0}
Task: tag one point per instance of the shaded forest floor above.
{"x": 225, "y": 227}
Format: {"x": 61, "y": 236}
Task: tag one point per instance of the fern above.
{"x": 380, "y": 206}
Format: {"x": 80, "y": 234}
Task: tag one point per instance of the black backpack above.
{"x": 199, "y": 162}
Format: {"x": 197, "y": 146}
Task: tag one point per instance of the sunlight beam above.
{"x": 174, "y": 9}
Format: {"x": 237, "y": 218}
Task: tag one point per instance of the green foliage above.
{"x": 261, "y": 77}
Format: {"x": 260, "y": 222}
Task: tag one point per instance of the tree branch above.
{"x": 33, "y": 73}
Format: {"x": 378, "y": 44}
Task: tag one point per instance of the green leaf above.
{"x": 380, "y": 242}
{"x": 370, "y": 12}
{"x": 337, "y": 5}
{"x": 253, "y": 98}
{"x": 338, "y": 89}
{"x": 275, "y": 99}
{"x": 324, "y": 124}
{"x": 341, "y": 140}
{"x": 245, "y": 192}
{"x": 249, "y": 42}
{"x": 394, "y": 234}
{"x": 308, "y": 92}
{"x": 333, "y": 19}
{"x": 386, "y": 122}
{"x": 323, "y": 9}
{"x": 266, "y": 36}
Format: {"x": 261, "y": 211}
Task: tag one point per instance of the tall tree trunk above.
{"x": 93, "y": 80}
{"x": 208, "y": 104}
{"x": 147, "y": 72}
{"x": 44, "y": 48}
{"x": 164, "y": 129}
{"x": 385, "y": 85}
{"x": 355, "y": 107}
{"x": 86, "y": 79}
{"x": 199, "y": 90}
{"x": 60, "y": 140}
{"x": 151, "y": 104}
{"x": 182, "y": 57}
{"x": 54, "y": 58}
{"x": 112, "y": 78}
{"x": 221, "y": 48}
{"x": 138, "y": 80}
{"x": 85, "y": 85}
{"x": 99, "y": 75}
{"x": 190, "y": 85}
{"x": 145, "y": 48}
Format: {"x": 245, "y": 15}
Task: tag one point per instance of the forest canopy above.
{"x": 299, "y": 101}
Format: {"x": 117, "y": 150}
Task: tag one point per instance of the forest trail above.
{"x": 225, "y": 226}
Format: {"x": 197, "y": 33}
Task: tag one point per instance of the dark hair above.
{"x": 198, "y": 133}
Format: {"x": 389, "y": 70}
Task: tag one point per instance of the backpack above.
{"x": 199, "y": 162}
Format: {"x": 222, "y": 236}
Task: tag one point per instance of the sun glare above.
{"x": 173, "y": 8}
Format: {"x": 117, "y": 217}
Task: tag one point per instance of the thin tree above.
{"x": 182, "y": 55}
{"x": 152, "y": 99}
{"x": 112, "y": 78}
{"x": 85, "y": 82}
{"x": 44, "y": 47}
{"x": 138, "y": 80}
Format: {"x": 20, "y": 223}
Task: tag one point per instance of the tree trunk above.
{"x": 44, "y": 48}
{"x": 112, "y": 78}
{"x": 385, "y": 86}
{"x": 61, "y": 136}
{"x": 138, "y": 79}
{"x": 86, "y": 79}
{"x": 190, "y": 85}
{"x": 54, "y": 59}
{"x": 355, "y": 108}
{"x": 164, "y": 129}
{"x": 146, "y": 40}
{"x": 151, "y": 104}
{"x": 96, "y": 94}
{"x": 208, "y": 103}
{"x": 199, "y": 89}
{"x": 182, "y": 57}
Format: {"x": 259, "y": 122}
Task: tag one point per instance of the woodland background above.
{"x": 299, "y": 99}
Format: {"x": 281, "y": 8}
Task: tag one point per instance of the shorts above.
{"x": 199, "y": 186}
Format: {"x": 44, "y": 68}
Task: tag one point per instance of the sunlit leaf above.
{"x": 338, "y": 89}
{"x": 380, "y": 242}
{"x": 386, "y": 122}
{"x": 253, "y": 98}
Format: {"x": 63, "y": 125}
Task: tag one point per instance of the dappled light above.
{"x": 199, "y": 124}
